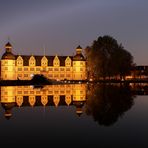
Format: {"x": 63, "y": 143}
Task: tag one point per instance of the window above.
{"x": 56, "y": 75}
{"x": 25, "y": 75}
{"x": 6, "y": 93}
{"x": 67, "y": 75}
{"x": 50, "y": 69}
{"x": 31, "y": 92}
{"x": 81, "y": 69}
{"x": 50, "y": 75}
{"x": 25, "y": 92}
{"x": 32, "y": 61}
{"x": 56, "y": 69}
{"x": 56, "y": 92}
{"x": 50, "y": 92}
{"x": 61, "y": 75}
{"x": 68, "y": 91}
{"x": 62, "y": 69}
{"x": 37, "y": 92}
{"x": 37, "y": 69}
{"x": 62, "y": 91}
{"x": 19, "y": 75}
{"x": 19, "y": 92}
{"x": 31, "y": 69}
{"x": 25, "y": 69}
{"x": 6, "y": 68}
{"x": 19, "y": 69}
{"x": 67, "y": 69}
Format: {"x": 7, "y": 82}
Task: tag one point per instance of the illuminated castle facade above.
{"x": 23, "y": 67}
{"x": 50, "y": 95}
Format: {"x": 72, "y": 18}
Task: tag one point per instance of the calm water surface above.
{"x": 75, "y": 115}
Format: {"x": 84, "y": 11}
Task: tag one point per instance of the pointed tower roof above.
{"x": 8, "y": 54}
{"x": 79, "y": 47}
{"x": 8, "y": 45}
{"x": 79, "y": 56}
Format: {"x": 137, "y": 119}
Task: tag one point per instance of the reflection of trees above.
{"x": 106, "y": 103}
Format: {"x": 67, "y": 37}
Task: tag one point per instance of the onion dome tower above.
{"x": 8, "y": 107}
{"x": 79, "y": 65}
{"x": 8, "y": 99}
{"x": 8, "y": 64}
{"x": 79, "y": 107}
{"x": 79, "y": 97}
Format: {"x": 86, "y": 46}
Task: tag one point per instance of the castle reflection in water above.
{"x": 106, "y": 103}
{"x": 50, "y": 95}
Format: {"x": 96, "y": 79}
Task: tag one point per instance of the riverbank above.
{"x": 54, "y": 82}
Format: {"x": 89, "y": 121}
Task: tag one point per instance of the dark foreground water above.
{"x": 92, "y": 116}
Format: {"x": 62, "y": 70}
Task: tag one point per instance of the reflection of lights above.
{"x": 90, "y": 79}
{"x": 31, "y": 75}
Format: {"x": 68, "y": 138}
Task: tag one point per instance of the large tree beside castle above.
{"x": 106, "y": 58}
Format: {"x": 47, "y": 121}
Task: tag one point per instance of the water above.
{"x": 74, "y": 116}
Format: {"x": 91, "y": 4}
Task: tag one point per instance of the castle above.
{"x": 23, "y": 67}
{"x": 50, "y": 95}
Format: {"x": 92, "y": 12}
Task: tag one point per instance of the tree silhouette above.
{"x": 106, "y": 58}
{"x": 106, "y": 103}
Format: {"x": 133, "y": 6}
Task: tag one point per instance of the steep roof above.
{"x": 39, "y": 58}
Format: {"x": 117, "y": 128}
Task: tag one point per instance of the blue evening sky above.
{"x": 61, "y": 25}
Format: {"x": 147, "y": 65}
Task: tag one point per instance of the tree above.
{"x": 107, "y": 103}
{"x": 106, "y": 58}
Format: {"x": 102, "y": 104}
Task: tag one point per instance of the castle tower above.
{"x": 8, "y": 64}
{"x": 8, "y": 99}
{"x": 79, "y": 97}
{"x": 79, "y": 65}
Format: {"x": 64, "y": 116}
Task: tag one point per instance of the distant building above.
{"x": 138, "y": 72}
{"x": 23, "y": 67}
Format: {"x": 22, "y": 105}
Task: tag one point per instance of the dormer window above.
{"x": 68, "y": 62}
{"x": 56, "y": 61}
{"x": 44, "y": 61}
{"x": 32, "y": 61}
{"x": 19, "y": 61}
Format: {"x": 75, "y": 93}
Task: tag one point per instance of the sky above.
{"x": 57, "y": 27}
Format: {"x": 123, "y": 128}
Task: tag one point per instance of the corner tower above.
{"x": 79, "y": 65}
{"x": 8, "y": 64}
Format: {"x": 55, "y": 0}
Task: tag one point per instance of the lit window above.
{"x": 25, "y": 69}
{"x": 31, "y": 92}
{"x": 19, "y": 69}
{"x": 37, "y": 69}
{"x": 31, "y": 69}
{"x": 50, "y": 69}
{"x": 68, "y": 75}
{"x": 62, "y": 69}
{"x": 50, "y": 75}
{"x": 56, "y": 69}
{"x": 67, "y": 69}
{"x": 25, "y": 92}
{"x": 19, "y": 92}
{"x": 50, "y": 92}
{"x": 61, "y": 75}
{"x": 25, "y": 75}
{"x": 56, "y": 75}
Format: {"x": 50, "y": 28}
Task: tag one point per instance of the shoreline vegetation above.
{"x": 55, "y": 82}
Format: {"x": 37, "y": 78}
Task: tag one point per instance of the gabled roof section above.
{"x": 38, "y": 59}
